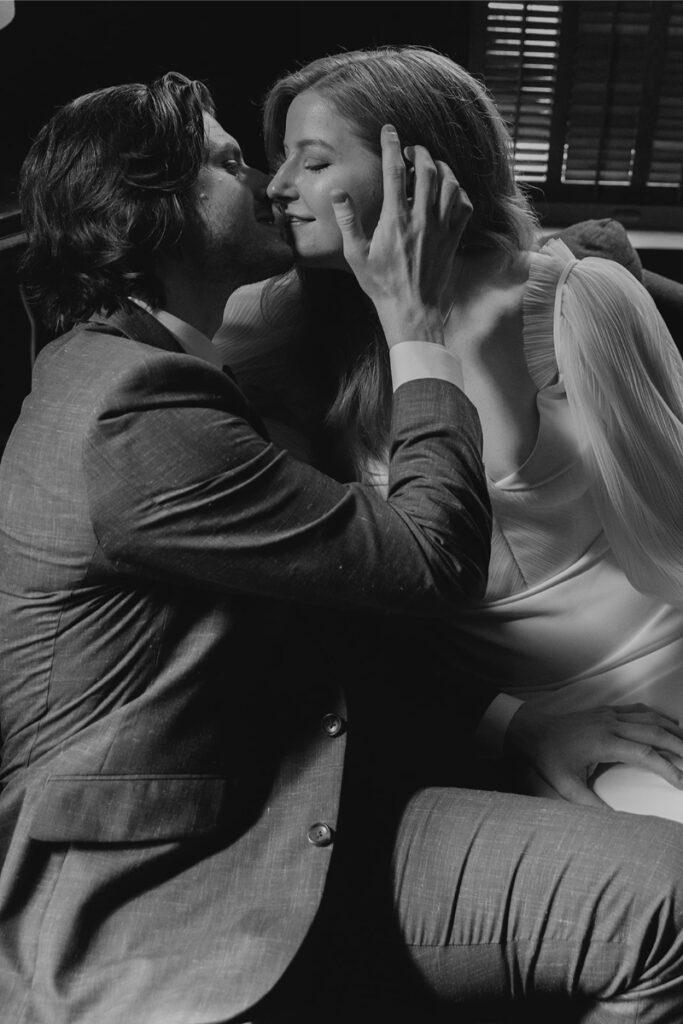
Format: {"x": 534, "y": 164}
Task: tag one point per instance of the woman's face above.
{"x": 322, "y": 153}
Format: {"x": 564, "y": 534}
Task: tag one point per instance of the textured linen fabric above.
{"x": 259, "y": 339}
{"x": 163, "y": 704}
{"x": 516, "y": 896}
{"x": 483, "y": 907}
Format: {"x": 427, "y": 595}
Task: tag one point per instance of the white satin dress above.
{"x": 585, "y": 599}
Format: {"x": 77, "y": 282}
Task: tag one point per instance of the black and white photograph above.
{"x": 341, "y": 512}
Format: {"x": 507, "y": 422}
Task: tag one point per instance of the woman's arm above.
{"x": 624, "y": 381}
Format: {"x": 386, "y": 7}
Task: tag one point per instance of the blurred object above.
{"x": 6, "y": 12}
{"x": 608, "y": 238}
{"x": 638, "y": 791}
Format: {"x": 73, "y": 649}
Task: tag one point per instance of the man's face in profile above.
{"x": 236, "y": 231}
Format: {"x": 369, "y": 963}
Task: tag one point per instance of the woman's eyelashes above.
{"x": 232, "y": 167}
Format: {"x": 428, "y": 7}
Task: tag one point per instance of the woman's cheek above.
{"x": 369, "y": 202}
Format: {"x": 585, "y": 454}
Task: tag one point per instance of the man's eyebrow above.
{"x": 230, "y": 149}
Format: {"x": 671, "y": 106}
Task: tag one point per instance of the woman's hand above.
{"x": 564, "y": 750}
{"x": 406, "y": 265}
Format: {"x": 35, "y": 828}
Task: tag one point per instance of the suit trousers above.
{"x": 482, "y": 905}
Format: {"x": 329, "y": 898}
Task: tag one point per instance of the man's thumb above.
{"x": 343, "y": 209}
{"x": 353, "y": 239}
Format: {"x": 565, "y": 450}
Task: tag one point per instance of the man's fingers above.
{"x": 353, "y": 238}
{"x": 639, "y": 709}
{"x": 393, "y": 170}
{"x": 661, "y": 764}
{"x": 446, "y": 191}
{"x": 576, "y": 791}
{"x": 656, "y": 723}
{"x": 652, "y": 760}
{"x": 658, "y": 737}
{"x": 426, "y": 183}
{"x": 455, "y": 207}
{"x": 654, "y": 720}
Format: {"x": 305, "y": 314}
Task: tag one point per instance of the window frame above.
{"x": 636, "y": 205}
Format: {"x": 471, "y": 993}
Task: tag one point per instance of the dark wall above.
{"x": 55, "y": 50}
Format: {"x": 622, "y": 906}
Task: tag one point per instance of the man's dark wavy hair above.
{"x": 105, "y": 188}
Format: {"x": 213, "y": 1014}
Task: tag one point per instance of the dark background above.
{"x": 55, "y": 50}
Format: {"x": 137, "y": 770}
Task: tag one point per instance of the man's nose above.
{"x": 258, "y": 182}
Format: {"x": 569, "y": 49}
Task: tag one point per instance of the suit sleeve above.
{"x": 182, "y": 488}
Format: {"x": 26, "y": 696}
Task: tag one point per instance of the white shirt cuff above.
{"x": 493, "y": 724}
{"x": 413, "y": 360}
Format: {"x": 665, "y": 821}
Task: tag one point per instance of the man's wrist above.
{"x": 523, "y": 730}
{"x": 416, "y": 360}
{"x": 419, "y": 325}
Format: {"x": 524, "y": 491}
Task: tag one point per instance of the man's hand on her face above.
{"x": 406, "y": 265}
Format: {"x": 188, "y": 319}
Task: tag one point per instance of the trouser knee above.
{"x": 657, "y": 882}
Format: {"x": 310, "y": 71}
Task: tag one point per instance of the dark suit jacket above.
{"x": 171, "y": 734}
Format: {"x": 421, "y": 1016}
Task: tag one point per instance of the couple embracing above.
{"x": 218, "y": 658}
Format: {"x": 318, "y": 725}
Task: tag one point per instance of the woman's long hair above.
{"x": 433, "y": 102}
{"x": 106, "y": 187}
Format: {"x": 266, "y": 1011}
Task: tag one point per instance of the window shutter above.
{"x": 593, "y": 93}
{"x": 666, "y": 166}
{"x": 609, "y": 67}
{"x": 520, "y": 69}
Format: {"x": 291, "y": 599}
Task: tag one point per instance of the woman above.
{"x": 579, "y": 388}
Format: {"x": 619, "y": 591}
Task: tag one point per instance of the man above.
{"x": 172, "y": 698}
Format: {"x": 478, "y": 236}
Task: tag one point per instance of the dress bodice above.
{"x": 544, "y": 517}
{"x": 561, "y": 622}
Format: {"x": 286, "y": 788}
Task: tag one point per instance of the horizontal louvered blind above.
{"x": 610, "y": 61}
{"x": 522, "y": 45}
{"x": 593, "y": 94}
{"x": 666, "y": 167}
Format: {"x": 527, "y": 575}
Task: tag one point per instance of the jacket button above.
{"x": 332, "y": 724}
{"x": 320, "y": 834}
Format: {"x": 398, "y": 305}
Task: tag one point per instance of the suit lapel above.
{"x": 137, "y": 324}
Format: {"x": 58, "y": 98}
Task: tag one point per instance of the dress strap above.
{"x": 547, "y": 267}
{"x": 557, "y": 305}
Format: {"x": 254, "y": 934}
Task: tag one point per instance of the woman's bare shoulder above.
{"x": 488, "y": 306}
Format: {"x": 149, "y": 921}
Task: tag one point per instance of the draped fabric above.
{"x": 577, "y": 613}
{"x": 623, "y": 376}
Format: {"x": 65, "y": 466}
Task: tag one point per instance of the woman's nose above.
{"x": 281, "y": 186}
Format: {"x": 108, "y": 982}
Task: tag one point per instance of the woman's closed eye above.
{"x": 315, "y": 165}
{"x": 232, "y": 166}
